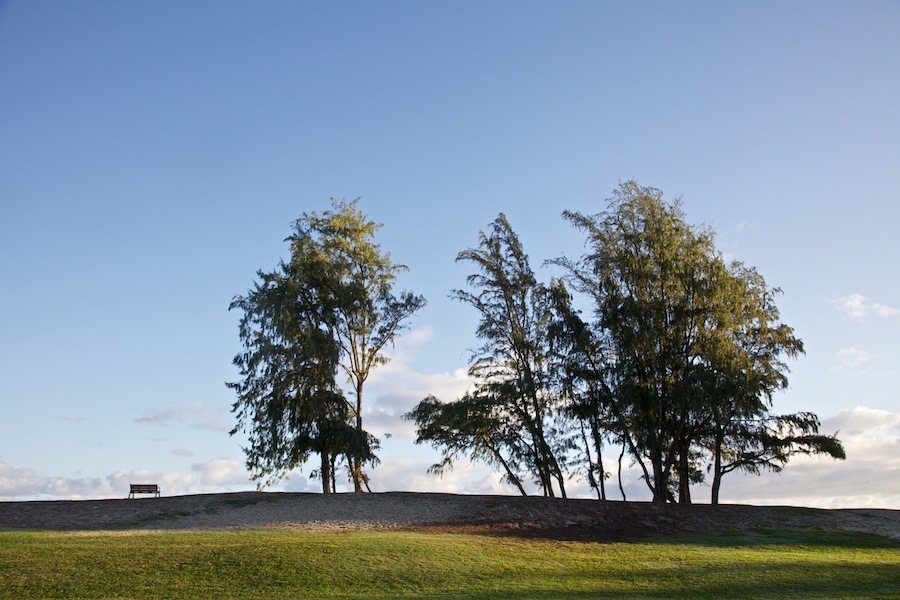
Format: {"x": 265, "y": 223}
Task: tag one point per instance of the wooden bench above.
{"x": 143, "y": 488}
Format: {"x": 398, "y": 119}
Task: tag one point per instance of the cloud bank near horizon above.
{"x": 869, "y": 478}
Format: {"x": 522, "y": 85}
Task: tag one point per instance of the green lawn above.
{"x": 283, "y": 564}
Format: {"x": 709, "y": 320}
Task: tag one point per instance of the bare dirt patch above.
{"x": 502, "y": 515}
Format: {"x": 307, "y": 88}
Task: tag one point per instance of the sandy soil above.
{"x": 505, "y": 515}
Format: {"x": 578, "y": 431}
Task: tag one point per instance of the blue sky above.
{"x": 154, "y": 155}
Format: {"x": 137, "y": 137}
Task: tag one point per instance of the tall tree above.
{"x": 696, "y": 347}
{"x": 511, "y": 368}
{"x": 288, "y": 400}
{"x": 338, "y": 273}
{"x": 645, "y": 275}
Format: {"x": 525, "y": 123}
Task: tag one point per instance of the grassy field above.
{"x": 284, "y": 564}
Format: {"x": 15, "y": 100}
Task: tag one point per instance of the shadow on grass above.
{"x": 811, "y": 537}
{"x": 761, "y": 536}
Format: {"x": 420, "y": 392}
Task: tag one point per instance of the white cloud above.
{"x": 222, "y": 474}
{"x": 854, "y": 305}
{"x": 475, "y": 478}
{"x": 296, "y": 482}
{"x": 402, "y": 353}
{"x": 218, "y": 475}
{"x": 394, "y": 389}
{"x": 386, "y": 417}
{"x": 417, "y": 337}
{"x": 77, "y": 487}
{"x": 170, "y": 484}
{"x": 399, "y": 368}
{"x": 18, "y": 481}
{"x": 745, "y": 226}
{"x": 883, "y": 310}
{"x": 864, "y": 423}
{"x": 410, "y": 475}
{"x": 850, "y": 358}
{"x": 21, "y": 483}
{"x": 391, "y": 398}
{"x": 857, "y": 307}
{"x": 197, "y": 415}
{"x": 870, "y": 477}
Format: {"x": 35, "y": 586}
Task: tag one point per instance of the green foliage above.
{"x": 694, "y": 348}
{"x": 512, "y": 416}
{"x": 469, "y": 427}
{"x": 679, "y": 364}
{"x": 288, "y": 398}
{"x": 648, "y": 274}
{"x": 282, "y": 564}
{"x": 329, "y": 308}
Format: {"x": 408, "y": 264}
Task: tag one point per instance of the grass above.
{"x": 284, "y": 564}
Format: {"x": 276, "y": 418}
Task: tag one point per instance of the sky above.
{"x": 154, "y": 155}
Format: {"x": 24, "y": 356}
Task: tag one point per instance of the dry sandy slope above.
{"x": 611, "y": 520}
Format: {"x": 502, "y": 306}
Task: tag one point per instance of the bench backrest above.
{"x": 144, "y": 488}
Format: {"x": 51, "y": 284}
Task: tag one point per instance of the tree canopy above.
{"x": 512, "y": 412}
{"x": 328, "y": 309}
{"x": 678, "y": 363}
{"x": 697, "y": 344}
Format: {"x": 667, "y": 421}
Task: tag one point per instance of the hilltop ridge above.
{"x": 501, "y": 515}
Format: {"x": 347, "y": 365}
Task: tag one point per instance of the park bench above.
{"x": 143, "y": 488}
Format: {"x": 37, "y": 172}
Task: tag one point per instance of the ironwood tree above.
{"x": 328, "y": 310}
{"x": 515, "y": 400}
{"x": 696, "y": 348}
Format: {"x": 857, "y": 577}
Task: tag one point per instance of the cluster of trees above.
{"x": 676, "y": 367}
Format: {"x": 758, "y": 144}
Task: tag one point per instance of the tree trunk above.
{"x": 637, "y": 458}
{"x": 717, "y": 470}
{"x": 684, "y": 474}
{"x": 356, "y": 467}
{"x": 543, "y": 455}
{"x": 592, "y": 468}
{"x": 325, "y": 472}
{"x": 511, "y": 477}
{"x": 333, "y": 471}
{"x": 560, "y": 478}
{"x": 660, "y": 480}
{"x": 534, "y": 426}
{"x": 598, "y": 445}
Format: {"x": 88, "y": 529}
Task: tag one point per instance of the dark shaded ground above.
{"x": 504, "y": 515}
